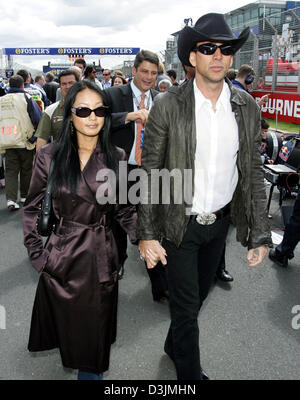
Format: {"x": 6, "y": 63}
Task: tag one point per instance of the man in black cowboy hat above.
{"x": 211, "y": 129}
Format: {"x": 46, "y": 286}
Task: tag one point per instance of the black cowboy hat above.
{"x": 212, "y": 27}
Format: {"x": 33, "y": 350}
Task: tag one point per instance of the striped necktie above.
{"x": 139, "y": 128}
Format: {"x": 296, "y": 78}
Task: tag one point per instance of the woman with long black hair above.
{"x": 75, "y": 307}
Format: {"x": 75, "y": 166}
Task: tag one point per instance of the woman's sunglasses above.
{"x": 210, "y": 48}
{"x": 84, "y": 112}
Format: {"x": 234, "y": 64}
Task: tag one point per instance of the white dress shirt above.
{"x": 106, "y": 85}
{"x": 216, "y": 173}
{"x": 136, "y": 100}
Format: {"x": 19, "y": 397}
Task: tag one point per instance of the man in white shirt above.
{"x": 211, "y": 129}
{"x": 106, "y": 82}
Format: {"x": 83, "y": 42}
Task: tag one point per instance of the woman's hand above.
{"x": 152, "y": 252}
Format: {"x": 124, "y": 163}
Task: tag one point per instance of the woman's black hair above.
{"x": 67, "y": 171}
{"x": 88, "y": 70}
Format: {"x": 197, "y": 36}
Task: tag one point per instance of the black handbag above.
{"x": 46, "y": 218}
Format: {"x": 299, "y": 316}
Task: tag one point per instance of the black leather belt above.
{"x": 208, "y": 219}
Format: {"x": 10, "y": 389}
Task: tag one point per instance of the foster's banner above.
{"x": 60, "y": 51}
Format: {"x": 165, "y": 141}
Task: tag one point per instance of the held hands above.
{"x": 256, "y": 256}
{"x": 152, "y": 252}
{"x": 140, "y": 114}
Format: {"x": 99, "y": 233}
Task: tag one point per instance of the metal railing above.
{"x": 273, "y": 37}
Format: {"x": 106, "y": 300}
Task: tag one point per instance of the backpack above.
{"x": 15, "y": 124}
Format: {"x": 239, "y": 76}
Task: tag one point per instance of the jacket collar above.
{"x": 236, "y": 94}
{"x": 16, "y": 90}
{"x": 186, "y": 90}
{"x": 127, "y": 91}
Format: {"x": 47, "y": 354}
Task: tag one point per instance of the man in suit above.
{"x": 51, "y": 87}
{"x": 127, "y": 113}
{"x": 208, "y": 132}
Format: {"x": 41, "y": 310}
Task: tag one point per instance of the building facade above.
{"x": 275, "y": 34}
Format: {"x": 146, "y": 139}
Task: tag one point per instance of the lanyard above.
{"x": 138, "y": 104}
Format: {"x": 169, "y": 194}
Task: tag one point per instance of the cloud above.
{"x": 115, "y": 23}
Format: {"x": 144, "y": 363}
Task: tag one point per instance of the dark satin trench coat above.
{"x": 75, "y": 307}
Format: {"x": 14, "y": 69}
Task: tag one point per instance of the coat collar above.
{"x": 185, "y": 90}
{"x": 87, "y": 186}
{"x": 127, "y": 91}
{"x": 236, "y": 94}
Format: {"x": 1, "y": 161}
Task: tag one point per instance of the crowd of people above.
{"x": 67, "y": 133}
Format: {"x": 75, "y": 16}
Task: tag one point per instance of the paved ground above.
{"x": 245, "y": 327}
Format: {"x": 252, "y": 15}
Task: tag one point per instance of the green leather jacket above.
{"x": 170, "y": 143}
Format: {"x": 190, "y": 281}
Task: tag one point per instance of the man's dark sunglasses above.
{"x": 84, "y": 112}
{"x": 210, "y": 48}
{"x": 106, "y": 74}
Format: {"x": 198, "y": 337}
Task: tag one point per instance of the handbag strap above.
{"x": 46, "y": 205}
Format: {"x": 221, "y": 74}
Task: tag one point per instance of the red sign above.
{"x": 286, "y": 105}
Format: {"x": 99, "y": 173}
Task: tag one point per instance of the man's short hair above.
{"x": 37, "y": 78}
{"x": 245, "y": 70}
{"x": 78, "y": 70}
{"x": 24, "y": 74}
{"x": 16, "y": 81}
{"x": 68, "y": 72}
{"x": 231, "y": 74}
{"x": 172, "y": 73}
{"x": 145, "y": 55}
{"x": 264, "y": 124}
{"x": 80, "y": 61}
{"x": 49, "y": 76}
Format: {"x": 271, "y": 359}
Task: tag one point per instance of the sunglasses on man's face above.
{"x": 84, "y": 112}
{"x": 106, "y": 74}
{"x": 210, "y": 48}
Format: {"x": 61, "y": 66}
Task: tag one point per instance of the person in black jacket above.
{"x": 128, "y": 114}
{"x": 285, "y": 250}
{"x": 50, "y": 87}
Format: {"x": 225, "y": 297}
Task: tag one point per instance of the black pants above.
{"x": 18, "y": 161}
{"x": 291, "y": 235}
{"x": 1, "y": 167}
{"x": 157, "y": 275}
{"x": 190, "y": 271}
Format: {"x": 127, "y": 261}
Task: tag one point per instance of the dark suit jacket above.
{"x": 50, "y": 89}
{"x": 119, "y": 98}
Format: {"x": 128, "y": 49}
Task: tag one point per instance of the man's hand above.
{"x": 39, "y": 143}
{"x": 152, "y": 252}
{"x": 263, "y": 100}
{"x": 256, "y": 256}
{"x": 140, "y": 114}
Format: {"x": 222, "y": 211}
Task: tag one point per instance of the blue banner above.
{"x": 61, "y": 51}
{"x": 55, "y": 71}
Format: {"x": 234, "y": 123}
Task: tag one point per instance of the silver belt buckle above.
{"x": 206, "y": 219}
